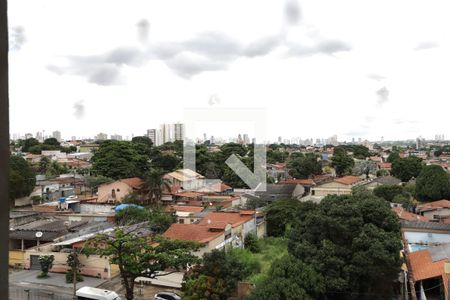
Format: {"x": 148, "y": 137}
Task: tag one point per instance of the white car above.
{"x": 91, "y": 293}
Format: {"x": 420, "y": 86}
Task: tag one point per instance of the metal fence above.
{"x": 17, "y": 293}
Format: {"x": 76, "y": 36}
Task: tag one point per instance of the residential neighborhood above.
{"x": 67, "y": 209}
{"x": 224, "y": 150}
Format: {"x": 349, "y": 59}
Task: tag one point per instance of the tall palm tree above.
{"x": 154, "y": 182}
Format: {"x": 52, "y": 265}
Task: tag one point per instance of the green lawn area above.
{"x": 271, "y": 249}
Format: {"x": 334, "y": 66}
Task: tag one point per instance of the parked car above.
{"x": 90, "y": 293}
{"x": 167, "y": 296}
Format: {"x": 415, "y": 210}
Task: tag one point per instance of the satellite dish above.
{"x": 38, "y": 234}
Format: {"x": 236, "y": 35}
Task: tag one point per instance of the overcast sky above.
{"x": 352, "y": 68}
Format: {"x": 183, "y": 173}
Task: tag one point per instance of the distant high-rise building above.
{"x": 246, "y": 139}
{"x": 40, "y": 136}
{"x": 280, "y": 140}
{"x": 116, "y": 137}
{"x": 101, "y": 136}
{"x": 420, "y": 142}
{"x": 151, "y": 134}
{"x": 178, "y": 131}
{"x": 57, "y": 135}
{"x": 166, "y": 133}
{"x": 74, "y": 138}
{"x": 439, "y": 137}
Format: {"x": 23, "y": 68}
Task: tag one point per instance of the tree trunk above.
{"x": 128, "y": 283}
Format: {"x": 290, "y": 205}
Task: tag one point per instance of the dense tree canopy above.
{"x": 118, "y": 159}
{"x": 407, "y": 168}
{"x": 359, "y": 151}
{"x": 342, "y": 162}
{"x": 433, "y": 183}
{"x": 304, "y": 166}
{"x": 22, "y": 178}
{"x": 217, "y": 277}
{"x": 388, "y": 192}
{"x": 289, "y": 279}
{"x": 28, "y": 143}
{"x": 353, "y": 243}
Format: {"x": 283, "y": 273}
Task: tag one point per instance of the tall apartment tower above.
{"x": 57, "y": 135}
{"x": 178, "y": 130}
{"x": 151, "y": 134}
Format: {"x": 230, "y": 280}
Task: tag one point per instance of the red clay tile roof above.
{"x": 220, "y": 218}
{"x": 189, "y": 194}
{"x": 408, "y": 216}
{"x": 135, "y": 182}
{"x": 385, "y": 166}
{"x": 435, "y": 204}
{"x": 299, "y": 181}
{"x": 348, "y": 180}
{"x": 184, "y": 208}
{"x": 191, "y": 232}
{"x": 247, "y": 212}
{"x": 422, "y": 267}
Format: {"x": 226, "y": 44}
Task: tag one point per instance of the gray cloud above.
{"x": 104, "y": 75}
{"x": 79, "y": 109}
{"x": 143, "y": 30}
{"x": 327, "y": 47}
{"x": 262, "y": 46}
{"x": 426, "y": 45}
{"x": 292, "y": 12}
{"x": 187, "y": 64}
{"x": 206, "y": 51}
{"x": 376, "y": 77}
{"x": 17, "y": 38}
{"x": 383, "y": 95}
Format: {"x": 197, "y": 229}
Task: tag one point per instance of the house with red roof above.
{"x": 339, "y": 186}
{"x": 435, "y": 210}
{"x": 429, "y": 270}
{"x": 217, "y": 230}
{"x": 408, "y": 216}
{"x": 114, "y": 192}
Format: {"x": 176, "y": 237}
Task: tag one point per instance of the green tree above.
{"x": 407, "y": 168}
{"x": 136, "y": 257}
{"x": 22, "y": 178}
{"x": 394, "y": 156}
{"x": 342, "y": 162}
{"x": 219, "y": 269}
{"x": 74, "y": 263}
{"x": 304, "y": 166}
{"x": 354, "y": 242}
{"x": 154, "y": 182}
{"x": 289, "y": 279}
{"x": 433, "y": 183}
{"x": 26, "y": 144}
{"x": 52, "y": 142}
{"x": 46, "y": 262}
{"x": 388, "y": 192}
{"x": 118, "y": 159}
{"x": 404, "y": 200}
{"x": 251, "y": 243}
{"x": 158, "y": 221}
{"x": 281, "y": 215}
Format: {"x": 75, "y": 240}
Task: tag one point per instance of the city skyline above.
{"x": 313, "y": 72}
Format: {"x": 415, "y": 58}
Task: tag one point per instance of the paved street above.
{"x": 54, "y": 287}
